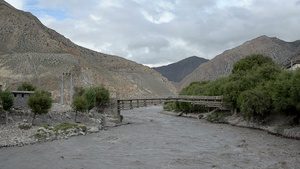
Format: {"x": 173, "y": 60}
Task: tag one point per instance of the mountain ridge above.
{"x": 221, "y": 65}
{"x": 175, "y": 72}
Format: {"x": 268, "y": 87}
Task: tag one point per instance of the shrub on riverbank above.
{"x": 257, "y": 88}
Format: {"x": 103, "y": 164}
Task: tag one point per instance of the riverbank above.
{"x": 14, "y": 135}
{"x": 59, "y": 123}
{"x": 277, "y": 125}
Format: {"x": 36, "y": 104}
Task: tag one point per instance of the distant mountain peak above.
{"x": 175, "y": 72}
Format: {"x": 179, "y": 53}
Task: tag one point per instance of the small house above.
{"x": 21, "y": 98}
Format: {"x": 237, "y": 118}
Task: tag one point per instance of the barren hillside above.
{"x": 31, "y": 52}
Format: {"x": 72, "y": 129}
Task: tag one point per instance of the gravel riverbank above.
{"x": 20, "y": 132}
{"x": 277, "y": 125}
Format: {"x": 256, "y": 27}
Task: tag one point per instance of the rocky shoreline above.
{"x": 16, "y": 133}
{"x": 57, "y": 124}
{"x": 279, "y": 125}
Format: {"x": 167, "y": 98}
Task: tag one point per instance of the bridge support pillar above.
{"x": 113, "y": 115}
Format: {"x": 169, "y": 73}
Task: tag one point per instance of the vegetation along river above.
{"x": 156, "y": 140}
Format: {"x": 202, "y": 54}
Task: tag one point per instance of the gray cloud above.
{"x": 165, "y": 31}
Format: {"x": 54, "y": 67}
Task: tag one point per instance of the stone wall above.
{"x": 21, "y": 98}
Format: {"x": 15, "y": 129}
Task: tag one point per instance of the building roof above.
{"x": 22, "y": 92}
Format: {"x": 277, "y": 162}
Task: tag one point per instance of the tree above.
{"x": 236, "y": 84}
{"x": 90, "y": 96}
{"x": 255, "y": 103}
{"x": 295, "y": 90}
{"x": 7, "y": 100}
{"x": 79, "y": 104}
{"x": 78, "y": 91}
{"x": 281, "y": 93}
{"x": 251, "y": 63}
{"x": 39, "y": 103}
{"x": 26, "y": 87}
{"x": 102, "y": 94}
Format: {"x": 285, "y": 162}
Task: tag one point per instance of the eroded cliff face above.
{"x": 31, "y": 52}
{"x": 220, "y": 66}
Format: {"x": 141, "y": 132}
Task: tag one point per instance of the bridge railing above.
{"x": 207, "y": 101}
{"x": 175, "y": 97}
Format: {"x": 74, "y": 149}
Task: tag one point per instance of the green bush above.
{"x": 102, "y": 94}
{"x": 281, "y": 93}
{"x": 27, "y": 87}
{"x": 295, "y": 90}
{"x": 251, "y": 63}
{"x": 66, "y": 126}
{"x": 40, "y": 103}
{"x": 255, "y": 103}
{"x": 7, "y": 101}
{"x": 257, "y": 87}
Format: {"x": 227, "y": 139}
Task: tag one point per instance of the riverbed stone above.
{"x": 25, "y": 126}
{"x": 94, "y": 129}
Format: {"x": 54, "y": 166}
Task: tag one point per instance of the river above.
{"x": 155, "y": 140}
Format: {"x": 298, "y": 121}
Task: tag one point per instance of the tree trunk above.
{"x": 75, "y": 116}
{"x": 33, "y": 119}
{"x": 235, "y": 111}
{"x": 6, "y": 117}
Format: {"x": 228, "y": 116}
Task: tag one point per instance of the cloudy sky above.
{"x": 159, "y": 32}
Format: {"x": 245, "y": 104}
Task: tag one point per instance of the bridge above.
{"x": 207, "y": 101}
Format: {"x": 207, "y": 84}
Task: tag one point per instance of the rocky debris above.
{"x": 273, "y": 128}
{"x": 25, "y": 125}
{"x": 50, "y": 133}
{"x": 12, "y": 135}
{"x": 94, "y": 130}
{"x": 61, "y": 125}
{"x": 277, "y": 126}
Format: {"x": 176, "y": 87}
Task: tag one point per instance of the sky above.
{"x": 160, "y": 32}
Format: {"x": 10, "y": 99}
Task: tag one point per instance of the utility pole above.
{"x": 62, "y": 89}
{"x": 71, "y": 94}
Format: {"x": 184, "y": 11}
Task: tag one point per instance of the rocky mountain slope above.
{"x": 31, "y": 52}
{"x": 175, "y": 72}
{"x": 280, "y": 51}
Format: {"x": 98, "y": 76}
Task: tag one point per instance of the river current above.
{"x": 155, "y": 140}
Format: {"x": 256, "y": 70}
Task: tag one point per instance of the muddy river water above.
{"x": 155, "y": 140}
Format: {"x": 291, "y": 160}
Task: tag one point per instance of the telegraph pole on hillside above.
{"x": 62, "y": 87}
{"x": 71, "y": 94}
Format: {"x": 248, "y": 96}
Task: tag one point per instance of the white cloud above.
{"x": 109, "y": 3}
{"x": 164, "y": 17}
{"x": 19, "y": 4}
{"x": 165, "y": 31}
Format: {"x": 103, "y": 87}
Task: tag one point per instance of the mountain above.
{"x": 175, "y": 72}
{"x": 221, "y": 65}
{"x": 31, "y": 52}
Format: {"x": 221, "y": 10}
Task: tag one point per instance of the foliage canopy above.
{"x": 40, "y": 102}
{"x": 7, "y": 99}
{"x": 257, "y": 87}
{"x": 27, "y": 87}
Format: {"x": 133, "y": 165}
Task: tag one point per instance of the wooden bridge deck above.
{"x": 207, "y": 101}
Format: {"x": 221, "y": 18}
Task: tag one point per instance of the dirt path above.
{"x": 154, "y": 140}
